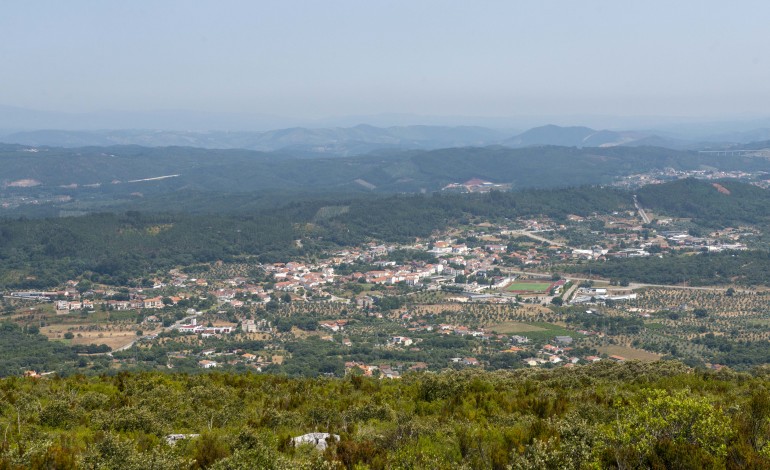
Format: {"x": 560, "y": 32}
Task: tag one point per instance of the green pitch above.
{"x": 528, "y": 286}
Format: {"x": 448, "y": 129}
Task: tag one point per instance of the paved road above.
{"x": 642, "y": 213}
{"x": 568, "y": 295}
{"x": 639, "y": 285}
{"x": 537, "y": 237}
{"x": 633, "y": 285}
{"x": 165, "y": 328}
{"x": 128, "y": 346}
{"x": 548, "y": 275}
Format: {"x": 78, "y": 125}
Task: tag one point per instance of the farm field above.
{"x": 629, "y": 353}
{"x": 436, "y": 308}
{"x": 113, "y": 338}
{"x": 534, "y": 330}
{"x": 515, "y": 327}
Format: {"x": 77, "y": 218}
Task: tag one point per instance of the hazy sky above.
{"x": 325, "y": 58}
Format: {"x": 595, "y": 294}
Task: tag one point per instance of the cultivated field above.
{"x": 515, "y": 327}
{"x": 113, "y": 338}
{"x": 436, "y": 308}
{"x": 629, "y": 353}
{"x": 534, "y": 330}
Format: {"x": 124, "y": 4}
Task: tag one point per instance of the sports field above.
{"x": 528, "y": 286}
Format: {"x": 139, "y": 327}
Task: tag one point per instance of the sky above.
{"x": 314, "y": 59}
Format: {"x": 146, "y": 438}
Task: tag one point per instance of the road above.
{"x": 534, "y": 236}
{"x": 568, "y": 295}
{"x": 633, "y": 285}
{"x": 642, "y": 213}
{"x": 639, "y": 285}
{"x": 548, "y": 275}
{"x": 165, "y": 328}
{"x": 127, "y": 346}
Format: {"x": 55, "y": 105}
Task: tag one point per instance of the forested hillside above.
{"x": 335, "y": 141}
{"x": 115, "y": 169}
{"x": 744, "y": 267}
{"x": 405, "y": 217}
{"x": 112, "y": 248}
{"x": 717, "y": 204}
{"x": 22, "y": 350}
{"x": 659, "y": 415}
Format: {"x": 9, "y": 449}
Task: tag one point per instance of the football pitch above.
{"x": 533, "y": 287}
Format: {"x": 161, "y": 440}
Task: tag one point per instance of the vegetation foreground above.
{"x": 633, "y": 415}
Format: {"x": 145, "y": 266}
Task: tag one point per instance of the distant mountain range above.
{"x": 575, "y": 137}
{"x": 344, "y": 135}
{"x": 363, "y": 139}
{"x": 301, "y": 141}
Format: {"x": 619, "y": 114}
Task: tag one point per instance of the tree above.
{"x": 84, "y": 285}
{"x": 690, "y": 423}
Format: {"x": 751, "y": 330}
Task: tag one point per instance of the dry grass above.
{"x": 629, "y": 353}
{"x": 437, "y": 308}
{"x": 510, "y": 327}
{"x": 534, "y": 310}
{"x": 256, "y": 336}
{"x": 114, "y": 339}
{"x": 302, "y": 334}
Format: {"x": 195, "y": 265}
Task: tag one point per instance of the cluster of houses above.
{"x": 300, "y": 279}
{"x": 454, "y": 259}
{"x": 560, "y": 354}
{"x": 409, "y": 275}
{"x": 658, "y": 176}
{"x": 210, "y": 359}
{"x": 292, "y": 276}
{"x": 255, "y": 326}
{"x": 383, "y": 371}
{"x": 422, "y": 324}
{"x": 193, "y": 328}
{"x": 334, "y": 325}
{"x": 138, "y": 303}
{"x": 466, "y": 361}
{"x": 678, "y": 239}
{"x": 475, "y": 185}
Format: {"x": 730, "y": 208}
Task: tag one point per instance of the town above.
{"x": 482, "y": 296}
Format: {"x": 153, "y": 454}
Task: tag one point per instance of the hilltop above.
{"x": 361, "y": 139}
{"x": 662, "y": 415}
